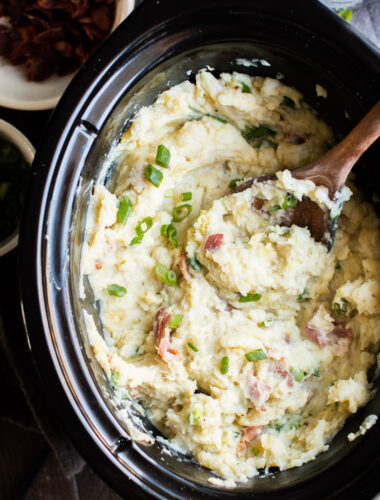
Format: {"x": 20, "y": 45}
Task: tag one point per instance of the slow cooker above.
{"x": 161, "y": 44}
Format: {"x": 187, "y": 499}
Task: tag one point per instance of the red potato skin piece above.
{"x": 184, "y": 266}
{"x": 339, "y": 338}
{"x": 259, "y": 392}
{"x": 166, "y": 350}
{"x": 214, "y": 241}
{"x": 248, "y": 435}
{"x": 281, "y": 368}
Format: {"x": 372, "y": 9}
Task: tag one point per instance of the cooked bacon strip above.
{"x": 248, "y": 435}
{"x": 339, "y": 338}
{"x": 258, "y": 392}
{"x": 281, "y": 368}
{"x": 165, "y": 349}
{"x": 184, "y": 266}
{"x": 213, "y": 242}
{"x": 257, "y": 204}
{"x": 294, "y": 138}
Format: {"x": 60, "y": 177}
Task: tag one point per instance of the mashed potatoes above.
{"x": 246, "y": 341}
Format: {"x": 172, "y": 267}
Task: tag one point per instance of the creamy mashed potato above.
{"x": 247, "y": 342}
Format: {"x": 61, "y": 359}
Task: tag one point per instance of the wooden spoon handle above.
{"x": 332, "y": 169}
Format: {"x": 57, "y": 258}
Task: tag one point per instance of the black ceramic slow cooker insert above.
{"x": 154, "y": 49}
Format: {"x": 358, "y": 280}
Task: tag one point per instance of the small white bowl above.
{"x": 14, "y": 136}
{"x": 17, "y": 92}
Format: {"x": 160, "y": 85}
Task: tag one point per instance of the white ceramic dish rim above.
{"x": 12, "y": 134}
{"x": 56, "y": 84}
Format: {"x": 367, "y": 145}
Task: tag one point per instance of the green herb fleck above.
{"x": 169, "y": 193}
{"x": 194, "y": 263}
{"x": 236, "y": 434}
{"x": 176, "y": 320}
{"x": 266, "y": 323}
{"x": 316, "y": 372}
{"x": 304, "y": 296}
{"x": 345, "y": 14}
{"x": 338, "y": 265}
{"x": 298, "y": 374}
{"x": 257, "y": 132}
{"x": 165, "y": 275}
{"x": 195, "y": 416}
{"x": 186, "y": 196}
{"x": 117, "y": 290}
{"x": 341, "y": 308}
{"x": 170, "y": 232}
{"x": 125, "y": 208}
{"x": 114, "y": 379}
{"x": 141, "y": 229}
{"x": 256, "y": 355}
{"x": 162, "y": 156}
{"x": 290, "y": 201}
{"x": 250, "y": 297}
{"x": 234, "y": 183}
{"x": 181, "y": 212}
{"x": 153, "y": 175}
{"x": 245, "y": 88}
{"x": 224, "y": 365}
{"x": 274, "y": 208}
{"x": 192, "y": 346}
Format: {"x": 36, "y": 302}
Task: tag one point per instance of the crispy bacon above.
{"x": 257, "y": 204}
{"x": 184, "y": 266}
{"x": 98, "y": 264}
{"x": 294, "y": 138}
{"x": 248, "y": 435}
{"x": 339, "y": 338}
{"x": 213, "y": 242}
{"x": 258, "y": 392}
{"x": 281, "y": 367}
{"x": 161, "y": 330}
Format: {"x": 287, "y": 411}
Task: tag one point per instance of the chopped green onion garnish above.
{"x": 338, "y": 265}
{"x": 169, "y": 193}
{"x": 295, "y": 424}
{"x": 166, "y": 276}
{"x": 224, "y": 365}
{"x": 285, "y": 231}
{"x": 137, "y": 240}
{"x": 221, "y": 120}
{"x": 144, "y": 225}
{"x": 256, "y": 355}
{"x": 255, "y": 452}
{"x": 236, "y": 434}
{"x": 278, "y": 425}
{"x": 250, "y": 297}
{"x": 303, "y": 296}
{"x": 162, "y": 156}
{"x": 194, "y": 263}
{"x": 114, "y": 379}
{"x": 273, "y": 208}
{"x": 195, "y": 416}
{"x": 257, "y": 132}
{"x": 176, "y": 320}
{"x": 234, "y": 182}
{"x": 266, "y": 323}
{"x": 316, "y": 372}
{"x": 181, "y": 212}
{"x": 297, "y": 373}
{"x": 345, "y": 14}
{"x": 195, "y": 110}
{"x": 153, "y": 175}
{"x": 186, "y": 196}
{"x": 170, "y": 232}
{"x": 290, "y": 201}
{"x": 341, "y": 308}
{"x": 287, "y": 101}
{"x": 164, "y": 229}
{"x": 117, "y": 290}
{"x": 125, "y": 208}
{"x": 192, "y": 346}
{"x": 245, "y": 88}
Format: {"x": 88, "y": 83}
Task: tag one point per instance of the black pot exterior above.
{"x": 152, "y": 50}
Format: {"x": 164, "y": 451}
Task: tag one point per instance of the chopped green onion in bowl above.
{"x": 153, "y": 175}
{"x": 192, "y": 346}
{"x": 125, "y": 208}
{"x": 165, "y": 275}
{"x": 256, "y": 355}
{"x": 181, "y": 212}
{"x": 250, "y": 297}
{"x": 224, "y": 365}
{"x": 117, "y": 290}
{"x": 176, "y": 320}
{"x": 163, "y": 156}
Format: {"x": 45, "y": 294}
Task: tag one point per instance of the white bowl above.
{"x": 17, "y": 92}
{"x": 14, "y": 136}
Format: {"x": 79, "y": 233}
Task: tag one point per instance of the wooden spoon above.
{"x": 331, "y": 170}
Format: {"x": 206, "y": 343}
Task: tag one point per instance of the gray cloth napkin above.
{"x": 366, "y": 18}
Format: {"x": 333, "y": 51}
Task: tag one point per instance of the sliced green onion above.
{"x": 341, "y": 308}
{"x": 295, "y": 424}
{"x": 290, "y": 201}
{"x": 256, "y": 355}
{"x": 245, "y": 88}
{"x": 236, "y": 434}
{"x": 144, "y": 225}
{"x": 117, "y": 290}
{"x": 186, "y": 196}
{"x": 192, "y": 346}
{"x": 162, "y": 156}
{"x": 125, "y": 208}
{"x": 277, "y": 425}
{"x": 224, "y": 365}
{"x": 345, "y": 14}
{"x": 250, "y": 297}
{"x": 285, "y": 231}
{"x": 176, "y": 320}
{"x": 164, "y": 229}
{"x": 255, "y": 452}
{"x": 166, "y": 276}
{"x": 316, "y": 372}
{"x": 114, "y": 379}
{"x": 153, "y": 175}
{"x": 274, "y": 208}
{"x": 137, "y": 240}
{"x": 169, "y": 193}
{"x": 304, "y": 296}
{"x": 257, "y": 132}
{"x": 170, "y": 232}
{"x": 195, "y": 110}
{"x": 287, "y": 101}
{"x": 297, "y": 373}
{"x": 181, "y": 212}
{"x": 195, "y": 416}
{"x": 194, "y": 263}
{"x": 234, "y": 182}
{"x": 266, "y": 323}
{"x": 221, "y": 120}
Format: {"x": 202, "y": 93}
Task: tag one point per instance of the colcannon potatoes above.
{"x": 246, "y": 342}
